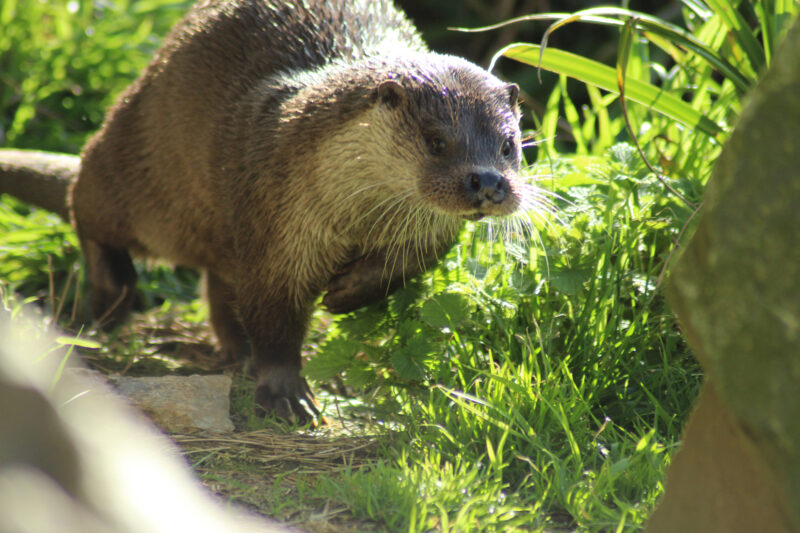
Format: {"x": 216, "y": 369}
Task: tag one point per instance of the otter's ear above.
{"x": 391, "y": 93}
{"x": 512, "y": 90}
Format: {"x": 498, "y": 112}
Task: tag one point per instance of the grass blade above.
{"x": 550, "y": 121}
{"x": 600, "y": 110}
{"x": 573, "y": 118}
{"x": 745, "y": 38}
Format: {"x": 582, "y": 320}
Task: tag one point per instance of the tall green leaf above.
{"x": 744, "y": 36}
{"x": 613, "y": 16}
{"x": 605, "y": 77}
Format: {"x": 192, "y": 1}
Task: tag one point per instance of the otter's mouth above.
{"x": 474, "y": 216}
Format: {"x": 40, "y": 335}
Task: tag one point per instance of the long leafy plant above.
{"x": 688, "y": 106}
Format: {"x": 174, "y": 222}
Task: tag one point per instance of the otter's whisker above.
{"x": 403, "y": 243}
{"x": 363, "y": 189}
{"x": 387, "y": 227}
{"x": 395, "y": 200}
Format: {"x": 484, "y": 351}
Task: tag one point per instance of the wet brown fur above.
{"x": 285, "y": 147}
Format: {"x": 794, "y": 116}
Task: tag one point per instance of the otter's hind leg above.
{"x": 225, "y": 320}
{"x": 112, "y": 282}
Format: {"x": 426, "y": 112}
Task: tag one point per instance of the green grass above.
{"x": 535, "y": 380}
{"x": 62, "y": 63}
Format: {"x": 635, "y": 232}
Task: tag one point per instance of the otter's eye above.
{"x": 507, "y": 148}
{"x": 437, "y": 145}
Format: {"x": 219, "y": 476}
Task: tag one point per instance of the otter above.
{"x": 289, "y": 149}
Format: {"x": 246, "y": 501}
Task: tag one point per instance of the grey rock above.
{"x": 179, "y": 404}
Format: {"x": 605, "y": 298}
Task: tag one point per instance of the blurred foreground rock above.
{"x": 75, "y": 459}
{"x": 736, "y": 290}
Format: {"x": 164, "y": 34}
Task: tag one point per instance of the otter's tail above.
{"x": 39, "y": 178}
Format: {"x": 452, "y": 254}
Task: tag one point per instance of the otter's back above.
{"x": 249, "y": 38}
{"x": 149, "y": 164}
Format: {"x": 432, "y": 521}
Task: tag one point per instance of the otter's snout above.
{"x": 486, "y": 187}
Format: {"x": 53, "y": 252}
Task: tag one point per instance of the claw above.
{"x": 280, "y": 393}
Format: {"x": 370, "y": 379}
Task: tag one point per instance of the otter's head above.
{"x": 460, "y": 126}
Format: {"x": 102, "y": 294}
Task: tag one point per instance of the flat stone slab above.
{"x": 181, "y": 404}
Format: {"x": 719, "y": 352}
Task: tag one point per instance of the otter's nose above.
{"x": 485, "y": 187}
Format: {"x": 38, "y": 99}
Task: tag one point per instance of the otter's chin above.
{"x": 473, "y": 216}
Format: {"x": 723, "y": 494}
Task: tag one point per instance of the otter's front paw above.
{"x": 358, "y": 284}
{"x": 279, "y": 392}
